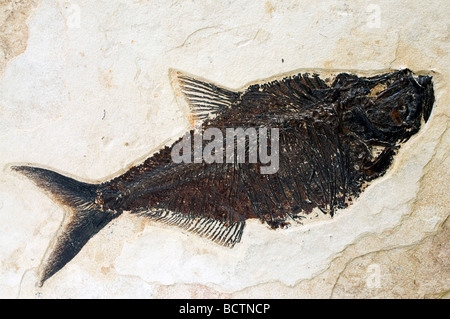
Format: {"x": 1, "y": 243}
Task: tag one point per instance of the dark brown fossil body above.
{"x": 335, "y": 137}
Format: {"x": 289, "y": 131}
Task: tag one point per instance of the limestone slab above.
{"x": 85, "y": 90}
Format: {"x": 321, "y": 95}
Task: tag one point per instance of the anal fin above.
{"x": 222, "y": 233}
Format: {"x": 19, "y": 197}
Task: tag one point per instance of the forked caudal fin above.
{"x": 84, "y": 220}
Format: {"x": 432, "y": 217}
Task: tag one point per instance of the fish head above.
{"x": 389, "y": 108}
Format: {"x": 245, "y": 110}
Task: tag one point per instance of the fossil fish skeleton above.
{"x": 334, "y": 136}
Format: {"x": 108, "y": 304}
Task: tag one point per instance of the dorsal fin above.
{"x": 205, "y": 100}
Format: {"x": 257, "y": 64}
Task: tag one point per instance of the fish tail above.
{"x": 84, "y": 219}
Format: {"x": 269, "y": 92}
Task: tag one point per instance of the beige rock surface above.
{"x": 84, "y": 90}
{"x": 13, "y": 28}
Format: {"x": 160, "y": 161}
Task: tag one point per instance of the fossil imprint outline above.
{"x": 333, "y": 137}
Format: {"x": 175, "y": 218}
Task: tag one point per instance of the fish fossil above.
{"x": 334, "y": 136}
